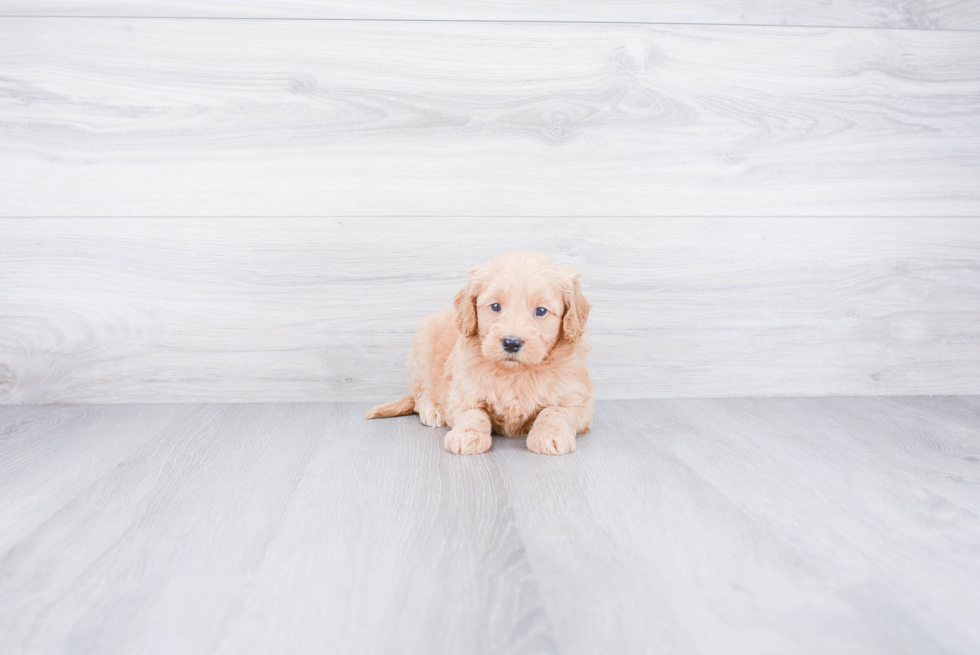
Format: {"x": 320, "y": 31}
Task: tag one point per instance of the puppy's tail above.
{"x": 401, "y": 407}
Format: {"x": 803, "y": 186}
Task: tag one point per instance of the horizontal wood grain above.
{"x": 919, "y": 14}
{"x": 301, "y": 309}
{"x": 108, "y": 117}
{"x": 689, "y": 526}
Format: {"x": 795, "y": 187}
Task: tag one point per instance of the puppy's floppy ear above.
{"x": 576, "y": 306}
{"x": 465, "y": 305}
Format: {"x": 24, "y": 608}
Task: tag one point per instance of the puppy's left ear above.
{"x": 576, "y": 306}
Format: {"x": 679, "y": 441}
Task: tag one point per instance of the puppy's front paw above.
{"x": 550, "y": 440}
{"x": 467, "y": 441}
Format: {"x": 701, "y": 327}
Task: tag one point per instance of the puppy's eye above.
{"x": 540, "y": 311}
{"x": 495, "y": 306}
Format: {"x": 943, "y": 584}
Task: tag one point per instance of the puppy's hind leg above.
{"x": 429, "y": 414}
{"x": 401, "y": 407}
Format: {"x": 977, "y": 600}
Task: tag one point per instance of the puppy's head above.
{"x": 520, "y": 306}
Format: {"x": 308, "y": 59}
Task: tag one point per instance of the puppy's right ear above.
{"x": 465, "y": 305}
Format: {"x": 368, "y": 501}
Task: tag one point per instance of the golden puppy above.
{"x": 510, "y": 359}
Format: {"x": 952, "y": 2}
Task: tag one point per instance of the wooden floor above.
{"x": 834, "y": 525}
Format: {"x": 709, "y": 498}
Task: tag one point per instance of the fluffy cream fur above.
{"x": 462, "y": 376}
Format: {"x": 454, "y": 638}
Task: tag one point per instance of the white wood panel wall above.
{"x": 174, "y": 117}
{"x": 261, "y": 210}
{"x": 300, "y": 309}
{"x": 919, "y": 14}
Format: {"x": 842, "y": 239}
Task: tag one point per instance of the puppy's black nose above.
{"x": 512, "y": 344}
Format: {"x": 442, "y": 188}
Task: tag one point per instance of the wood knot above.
{"x": 7, "y": 379}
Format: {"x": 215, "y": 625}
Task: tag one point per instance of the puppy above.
{"x": 509, "y": 358}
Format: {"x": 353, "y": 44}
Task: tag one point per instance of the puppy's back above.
{"x": 434, "y": 341}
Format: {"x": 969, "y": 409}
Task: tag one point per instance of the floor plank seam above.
{"x": 521, "y": 539}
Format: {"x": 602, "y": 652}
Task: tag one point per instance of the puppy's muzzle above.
{"x": 512, "y": 344}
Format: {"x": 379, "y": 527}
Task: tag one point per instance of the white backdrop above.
{"x": 261, "y": 210}
{"x": 301, "y": 309}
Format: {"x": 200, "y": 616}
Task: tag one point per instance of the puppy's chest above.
{"x": 512, "y": 411}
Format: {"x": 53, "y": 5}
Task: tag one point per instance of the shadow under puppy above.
{"x": 509, "y": 358}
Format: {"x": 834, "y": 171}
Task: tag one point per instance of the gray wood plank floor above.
{"x": 185, "y": 117}
{"x": 836, "y": 525}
